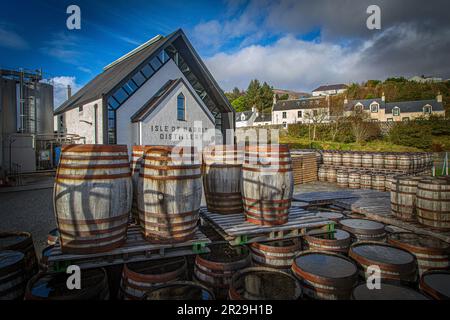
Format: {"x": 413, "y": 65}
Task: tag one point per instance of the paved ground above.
{"x": 32, "y": 210}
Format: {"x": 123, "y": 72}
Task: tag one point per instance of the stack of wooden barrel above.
{"x": 304, "y": 167}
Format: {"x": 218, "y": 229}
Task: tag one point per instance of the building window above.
{"x": 315, "y": 113}
{"x": 396, "y": 111}
{"x": 389, "y": 119}
{"x": 374, "y": 107}
{"x": 427, "y": 109}
{"x": 299, "y": 114}
{"x": 283, "y": 115}
{"x": 284, "y": 125}
{"x": 181, "y": 107}
{"x": 358, "y": 107}
{"x": 405, "y": 119}
{"x": 112, "y": 137}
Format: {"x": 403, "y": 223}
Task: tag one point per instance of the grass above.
{"x": 376, "y": 145}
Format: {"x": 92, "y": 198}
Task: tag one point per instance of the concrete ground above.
{"x": 32, "y": 210}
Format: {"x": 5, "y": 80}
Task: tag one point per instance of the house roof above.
{"x": 264, "y": 117}
{"x": 331, "y": 87}
{"x": 247, "y": 115}
{"x": 405, "y": 106}
{"x": 114, "y": 74}
{"x": 159, "y": 97}
{"x": 305, "y": 103}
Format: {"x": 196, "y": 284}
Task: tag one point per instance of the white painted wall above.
{"x": 162, "y": 127}
{"x": 84, "y": 123}
{"x": 292, "y": 116}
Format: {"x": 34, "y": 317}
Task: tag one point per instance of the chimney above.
{"x": 274, "y": 98}
{"x": 345, "y": 100}
{"x": 383, "y": 98}
{"x": 439, "y": 97}
{"x": 69, "y": 91}
{"x": 253, "y": 109}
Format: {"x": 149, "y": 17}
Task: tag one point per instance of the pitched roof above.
{"x": 405, "y": 106}
{"x": 305, "y": 103}
{"x": 365, "y": 102}
{"x": 114, "y": 74}
{"x": 331, "y": 87}
{"x": 263, "y": 117}
{"x": 247, "y": 115}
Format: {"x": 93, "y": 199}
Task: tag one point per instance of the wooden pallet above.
{"x": 321, "y": 198}
{"x": 360, "y": 205}
{"x": 236, "y": 230}
{"x": 135, "y": 249}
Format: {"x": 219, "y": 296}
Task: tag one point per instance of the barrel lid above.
{"x": 418, "y": 242}
{"x": 9, "y": 258}
{"x": 54, "y": 286}
{"x": 386, "y": 292}
{"x": 180, "y": 290}
{"x": 225, "y": 253}
{"x": 382, "y": 253}
{"x": 436, "y": 282}
{"x": 362, "y": 226}
{"x": 326, "y": 265}
{"x": 11, "y": 239}
{"x": 394, "y": 229}
{"x": 337, "y": 235}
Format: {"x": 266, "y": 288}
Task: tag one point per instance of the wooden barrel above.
{"x": 405, "y": 162}
{"x": 327, "y": 157}
{"x": 379, "y": 182}
{"x": 390, "y": 180}
{"x": 335, "y": 216}
{"x": 222, "y": 178}
{"x": 433, "y": 202}
{"x": 92, "y": 197}
{"x": 431, "y": 253}
{"x": 215, "y": 269}
{"x": 322, "y": 174}
{"x": 53, "y": 237}
{"x": 337, "y": 158}
{"x": 22, "y": 242}
{"x": 378, "y": 160}
{"x": 53, "y": 286}
{"x": 331, "y": 175}
{"x": 325, "y": 275}
{"x": 436, "y": 284}
{"x": 396, "y": 265}
{"x": 180, "y": 290}
{"x": 338, "y": 241}
{"x": 365, "y": 180}
{"x": 362, "y": 229}
{"x": 386, "y": 292}
{"x": 356, "y": 159}
{"x": 170, "y": 194}
{"x": 354, "y": 180}
{"x": 390, "y": 161}
{"x": 347, "y": 159}
{"x": 367, "y": 160}
{"x": 275, "y": 254}
{"x": 403, "y": 197}
{"x": 135, "y": 166}
{"x": 260, "y": 283}
{"x": 342, "y": 178}
{"x": 12, "y": 275}
{"x": 139, "y": 277}
{"x": 267, "y": 184}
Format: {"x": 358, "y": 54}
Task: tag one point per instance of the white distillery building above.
{"x": 157, "y": 94}
{"x": 305, "y": 110}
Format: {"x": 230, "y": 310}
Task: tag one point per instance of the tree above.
{"x": 284, "y": 96}
{"x": 316, "y": 117}
{"x": 240, "y": 104}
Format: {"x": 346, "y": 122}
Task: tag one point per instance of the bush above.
{"x": 411, "y": 134}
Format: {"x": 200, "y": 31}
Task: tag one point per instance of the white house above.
{"x": 157, "y": 94}
{"x": 305, "y": 110}
{"x": 246, "y": 118}
{"x": 329, "y": 90}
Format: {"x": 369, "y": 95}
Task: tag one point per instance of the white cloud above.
{"x": 295, "y": 64}
{"x": 11, "y": 39}
{"x": 60, "y": 88}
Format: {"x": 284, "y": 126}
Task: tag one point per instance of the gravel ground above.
{"x": 32, "y": 210}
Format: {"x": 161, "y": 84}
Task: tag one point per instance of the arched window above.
{"x": 427, "y": 109}
{"x": 374, "y": 107}
{"x": 396, "y": 111}
{"x": 359, "y": 107}
{"x": 181, "y": 107}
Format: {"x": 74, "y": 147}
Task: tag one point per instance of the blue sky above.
{"x": 291, "y": 44}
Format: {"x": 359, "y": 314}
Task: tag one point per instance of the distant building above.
{"x": 380, "y": 110}
{"x": 246, "y": 118}
{"x": 306, "y": 110}
{"x": 291, "y": 94}
{"x": 424, "y": 79}
{"x": 147, "y": 97}
{"x": 263, "y": 119}
{"x": 329, "y": 90}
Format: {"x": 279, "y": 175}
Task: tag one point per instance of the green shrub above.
{"x": 411, "y": 134}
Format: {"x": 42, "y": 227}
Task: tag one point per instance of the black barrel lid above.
{"x": 337, "y": 234}
{"x": 9, "y": 240}
{"x": 383, "y": 253}
{"x": 386, "y": 292}
{"x": 362, "y": 226}
{"x": 326, "y": 265}
{"x": 438, "y": 281}
{"x": 272, "y": 285}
